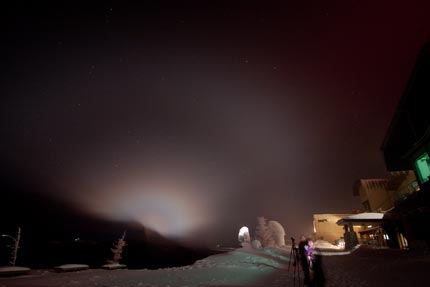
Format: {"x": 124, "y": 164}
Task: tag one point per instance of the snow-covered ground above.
{"x": 322, "y": 244}
{"x": 248, "y": 267}
{"x": 241, "y": 267}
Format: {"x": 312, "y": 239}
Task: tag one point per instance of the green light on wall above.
{"x": 422, "y": 165}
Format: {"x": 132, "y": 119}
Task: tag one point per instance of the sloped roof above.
{"x": 362, "y": 218}
{"x": 365, "y": 216}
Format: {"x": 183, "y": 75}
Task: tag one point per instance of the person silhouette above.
{"x": 316, "y": 274}
{"x": 303, "y": 245}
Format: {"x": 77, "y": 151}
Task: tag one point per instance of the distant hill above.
{"x": 55, "y": 232}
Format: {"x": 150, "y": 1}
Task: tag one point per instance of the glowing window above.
{"x": 422, "y": 164}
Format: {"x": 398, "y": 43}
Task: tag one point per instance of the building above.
{"x": 370, "y": 226}
{"x": 373, "y": 194}
{"x": 407, "y": 147}
{"x": 379, "y": 197}
{"x": 397, "y": 207}
{"x": 325, "y": 227}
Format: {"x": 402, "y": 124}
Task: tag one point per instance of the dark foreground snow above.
{"x": 248, "y": 267}
{"x": 378, "y": 267}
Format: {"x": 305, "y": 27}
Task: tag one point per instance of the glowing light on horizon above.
{"x": 169, "y": 213}
{"x": 172, "y": 208}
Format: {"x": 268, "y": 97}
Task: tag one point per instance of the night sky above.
{"x": 195, "y": 118}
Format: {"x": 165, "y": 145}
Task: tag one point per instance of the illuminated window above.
{"x": 422, "y": 164}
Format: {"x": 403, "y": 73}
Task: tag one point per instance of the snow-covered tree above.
{"x": 256, "y": 244}
{"x": 278, "y": 233}
{"x": 15, "y": 245}
{"x": 117, "y": 249}
{"x": 263, "y": 233}
{"x": 243, "y": 236}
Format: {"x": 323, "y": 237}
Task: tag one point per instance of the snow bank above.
{"x": 334, "y": 252}
{"x": 241, "y": 267}
{"x": 114, "y": 266}
{"x": 71, "y": 267}
{"x": 322, "y": 244}
{"x": 13, "y": 270}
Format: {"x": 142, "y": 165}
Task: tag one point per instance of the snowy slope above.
{"x": 242, "y": 267}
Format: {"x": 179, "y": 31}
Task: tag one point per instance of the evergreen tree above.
{"x": 117, "y": 249}
{"x": 263, "y": 233}
{"x": 15, "y": 245}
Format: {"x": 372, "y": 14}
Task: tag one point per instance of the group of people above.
{"x": 311, "y": 263}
